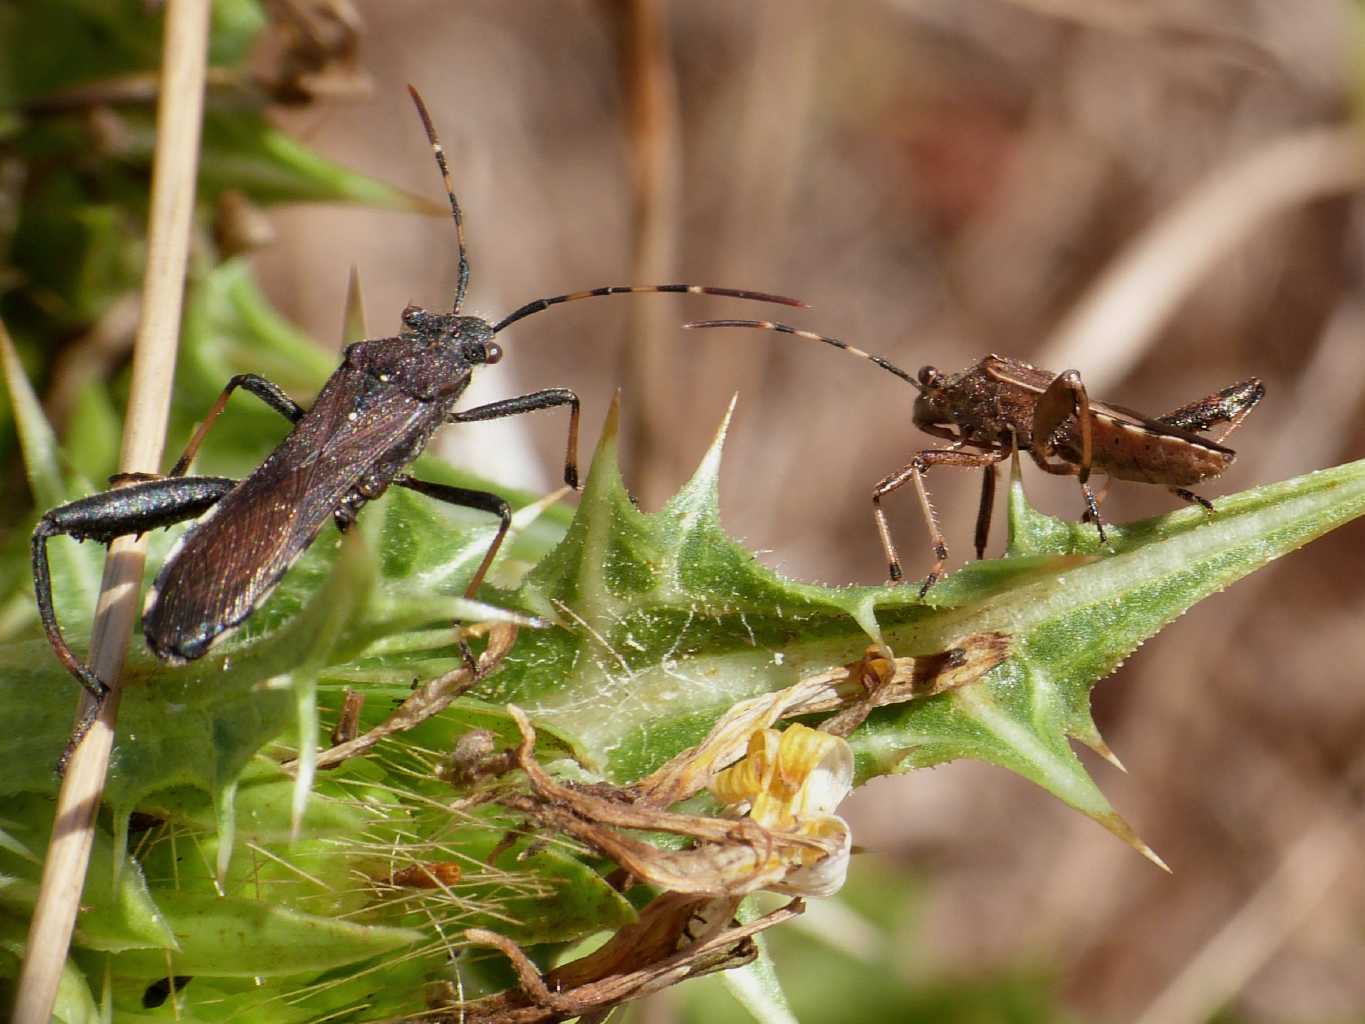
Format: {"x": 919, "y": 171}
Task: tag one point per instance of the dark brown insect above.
{"x": 1003, "y": 404}
{"x": 374, "y": 415}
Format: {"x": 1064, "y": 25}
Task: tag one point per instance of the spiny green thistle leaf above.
{"x": 118, "y": 910}
{"x": 664, "y": 622}
{"x": 235, "y": 937}
{"x": 195, "y": 727}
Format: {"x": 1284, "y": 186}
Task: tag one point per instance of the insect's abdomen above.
{"x": 1127, "y": 451}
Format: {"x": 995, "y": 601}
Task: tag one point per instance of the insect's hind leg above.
{"x": 913, "y": 473}
{"x": 1066, "y": 396}
{"x": 144, "y": 506}
{"x": 1231, "y": 406}
{"x": 1191, "y": 497}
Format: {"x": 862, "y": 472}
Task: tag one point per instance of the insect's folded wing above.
{"x": 225, "y": 567}
{"x": 1123, "y": 415}
{"x": 228, "y": 564}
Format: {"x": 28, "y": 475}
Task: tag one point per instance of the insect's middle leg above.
{"x": 1066, "y": 397}
{"x": 913, "y": 473}
{"x": 985, "y": 509}
{"x": 483, "y": 501}
{"x": 549, "y": 398}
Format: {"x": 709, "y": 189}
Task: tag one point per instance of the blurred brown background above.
{"x": 939, "y": 179}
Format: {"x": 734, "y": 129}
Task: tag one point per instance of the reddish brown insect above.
{"x": 1001, "y": 404}
{"x": 432, "y": 874}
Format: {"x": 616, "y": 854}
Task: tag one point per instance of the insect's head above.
{"x": 931, "y": 409}
{"x": 471, "y": 337}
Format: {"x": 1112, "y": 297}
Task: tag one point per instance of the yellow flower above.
{"x": 791, "y": 782}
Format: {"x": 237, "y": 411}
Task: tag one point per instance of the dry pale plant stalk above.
{"x": 650, "y": 365}
{"x": 179, "y": 112}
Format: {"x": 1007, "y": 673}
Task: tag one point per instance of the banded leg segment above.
{"x": 913, "y": 473}
{"x": 267, "y": 391}
{"x": 549, "y": 398}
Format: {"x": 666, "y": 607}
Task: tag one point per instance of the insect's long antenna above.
{"x": 769, "y": 325}
{"x": 690, "y": 289}
{"x": 463, "y": 282}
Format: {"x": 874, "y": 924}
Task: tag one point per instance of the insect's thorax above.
{"x": 972, "y": 406}
{"x": 428, "y": 369}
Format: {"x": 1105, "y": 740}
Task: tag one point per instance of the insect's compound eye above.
{"x": 929, "y": 377}
{"x": 475, "y": 352}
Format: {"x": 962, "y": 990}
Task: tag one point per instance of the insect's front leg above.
{"x": 549, "y": 398}
{"x": 135, "y": 509}
{"x": 1066, "y": 397}
{"x": 913, "y": 473}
